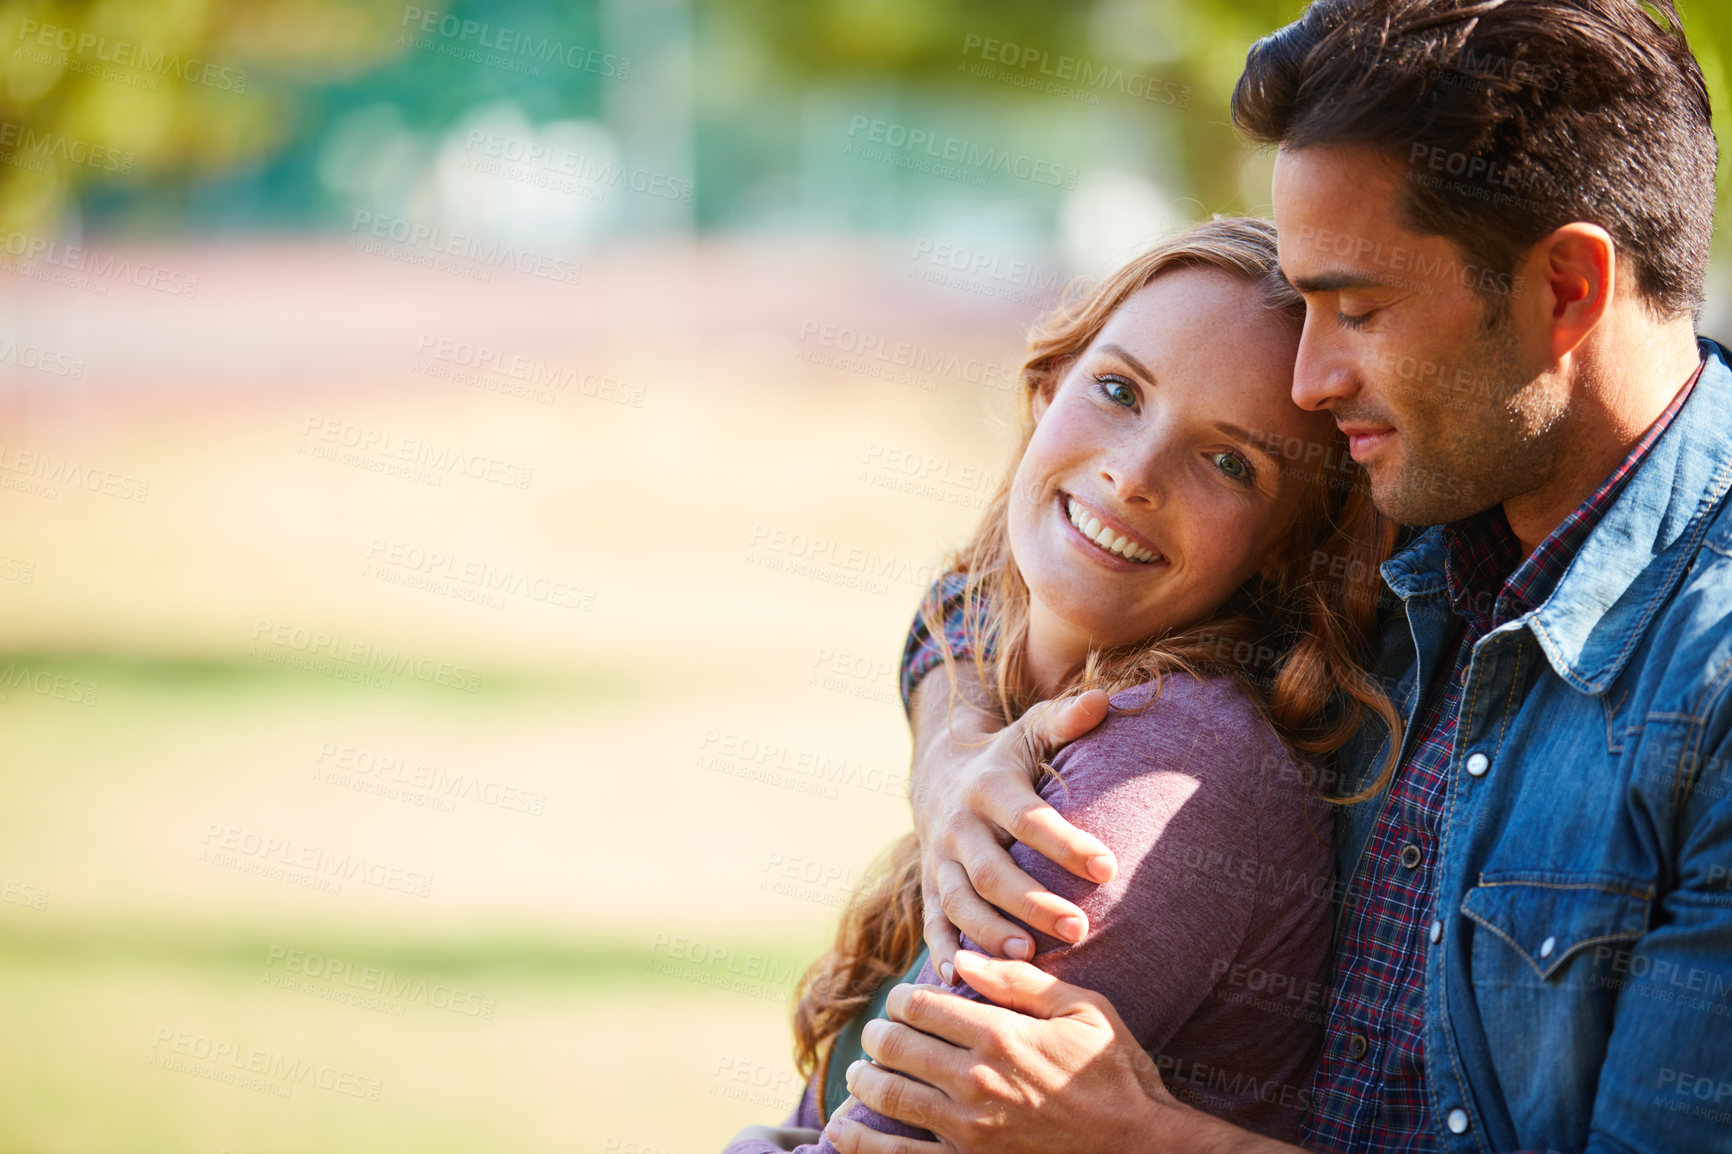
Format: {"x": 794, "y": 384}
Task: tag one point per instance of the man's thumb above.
{"x": 1015, "y": 985}
{"x": 1071, "y": 719}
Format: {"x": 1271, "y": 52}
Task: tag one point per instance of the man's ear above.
{"x": 1570, "y": 277}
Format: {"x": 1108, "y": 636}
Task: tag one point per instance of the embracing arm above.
{"x": 1060, "y": 1054}
{"x": 972, "y": 794}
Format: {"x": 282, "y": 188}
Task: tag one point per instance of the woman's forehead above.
{"x": 1211, "y": 337}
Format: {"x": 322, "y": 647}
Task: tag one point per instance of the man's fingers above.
{"x": 950, "y": 1020}
{"x": 1041, "y": 829}
{"x": 1018, "y": 986}
{"x": 994, "y": 877}
{"x": 941, "y": 937}
{"x": 895, "y": 1096}
{"x": 970, "y": 913}
{"x": 921, "y": 1056}
{"x": 850, "y": 1137}
{"x": 1010, "y": 804}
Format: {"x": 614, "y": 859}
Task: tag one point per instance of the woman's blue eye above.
{"x": 1234, "y": 466}
{"x": 1117, "y": 391}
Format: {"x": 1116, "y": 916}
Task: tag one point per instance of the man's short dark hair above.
{"x": 1511, "y": 118}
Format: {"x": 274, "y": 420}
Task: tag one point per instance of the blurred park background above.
{"x": 464, "y": 476}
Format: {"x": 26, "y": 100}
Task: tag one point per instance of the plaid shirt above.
{"x": 1369, "y": 1090}
{"x": 923, "y": 652}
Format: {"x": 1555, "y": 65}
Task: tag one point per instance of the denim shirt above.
{"x": 1580, "y": 994}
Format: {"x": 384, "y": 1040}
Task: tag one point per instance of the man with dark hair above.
{"x": 1498, "y": 212}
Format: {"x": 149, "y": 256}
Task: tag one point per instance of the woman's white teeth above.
{"x": 1090, "y": 526}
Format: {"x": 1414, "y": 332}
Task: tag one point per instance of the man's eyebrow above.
{"x": 1335, "y": 281}
{"x": 1124, "y": 355}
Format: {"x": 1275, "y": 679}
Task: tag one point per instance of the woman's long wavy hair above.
{"x": 1296, "y": 637}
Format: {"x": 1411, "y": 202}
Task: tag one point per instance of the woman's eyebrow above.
{"x": 1256, "y": 442}
{"x": 1124, "y": 355}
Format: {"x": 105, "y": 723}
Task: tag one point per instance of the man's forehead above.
{"x": 1336, "y": 185}
{"x": 1338, "y": 217}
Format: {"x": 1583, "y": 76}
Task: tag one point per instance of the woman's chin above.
{"x": 1097, "y": 621}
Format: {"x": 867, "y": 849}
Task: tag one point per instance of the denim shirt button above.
{"x": 1547, "y": 946}
{"x": 1457, "y": 1121}
{"x": 1436, "y": 932}
{"x": 1477, "y": 764}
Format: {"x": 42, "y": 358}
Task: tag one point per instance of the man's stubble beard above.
{"x": 1466, "y": 459}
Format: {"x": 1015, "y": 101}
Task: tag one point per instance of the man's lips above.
{"x": 1365, "y": 440}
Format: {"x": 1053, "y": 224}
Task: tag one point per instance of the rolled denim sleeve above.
{"x": 1666, "y": 1083}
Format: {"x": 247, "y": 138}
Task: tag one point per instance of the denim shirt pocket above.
{"x": 1549, "y": 918}
{"x": 1546, "y": 965}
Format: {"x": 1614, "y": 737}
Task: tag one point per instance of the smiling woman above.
{"x": 1167, "y": 534}
{"x": 1133, "y": 512}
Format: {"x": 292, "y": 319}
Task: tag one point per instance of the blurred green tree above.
{"x": 127, "y": 90}
{"x": 121, "y": 92}
{"x": 1201, "y": 43}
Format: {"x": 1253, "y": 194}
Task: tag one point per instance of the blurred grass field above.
{"x": 631, "y": 837}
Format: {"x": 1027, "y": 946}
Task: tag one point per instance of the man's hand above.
{"x": 973, "y": 795}
{"x": 1054, "y": 1071}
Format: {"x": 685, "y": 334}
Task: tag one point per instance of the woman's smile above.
{"x": 1107, "y": 539}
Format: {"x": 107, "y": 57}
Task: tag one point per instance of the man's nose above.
{"x": 1324, "y": 373}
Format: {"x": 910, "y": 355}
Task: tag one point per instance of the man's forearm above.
{"x": 1170, "y": 1127}
{"x": 945, "y": 725}
{"x": 938, "y": 715}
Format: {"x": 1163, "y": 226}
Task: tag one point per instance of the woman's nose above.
{"x": 1134, "y": 473}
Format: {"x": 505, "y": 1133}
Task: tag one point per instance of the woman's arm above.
{"x": 799, "y": 1132}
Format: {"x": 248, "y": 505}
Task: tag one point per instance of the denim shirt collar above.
{"x": 1595, "y": 617}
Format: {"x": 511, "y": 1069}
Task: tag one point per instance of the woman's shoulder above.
{"x": 1206, "y": 728}
{"x": 1216, "y": 708}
